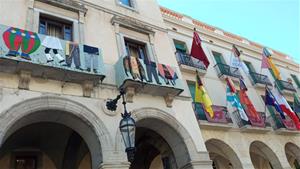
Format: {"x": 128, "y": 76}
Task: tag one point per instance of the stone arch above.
{"x": 219, "y": 149}
{"x": 260, "y": 149}
{"x": 64, "y": 111}
{"x": 292, "y": 152}
{"x": 155, "y": 119}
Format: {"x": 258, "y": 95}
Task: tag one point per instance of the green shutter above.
{"x": 218, "y": 57}
{"x": 250, "y": 67}
{"x": 192, "y": 90}
{"x": 296, "y": 80}
{"x": 198, "y": 108}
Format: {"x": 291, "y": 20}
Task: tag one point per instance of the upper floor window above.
{"x": 180, "y": 46}
{"x": 56, "y": 27}
{"x": 136, "y": 49}
{"x": 250, "y": 66}
{"x": 218, "y": 57}
{"x": 128, "y": 3}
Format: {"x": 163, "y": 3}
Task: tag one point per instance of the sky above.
{"x": 272, "y": 23}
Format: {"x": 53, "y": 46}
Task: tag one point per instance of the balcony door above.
{"x": 218, "y": 58}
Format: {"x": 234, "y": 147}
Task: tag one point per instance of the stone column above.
{"x": 120, "y": 41}
{"x": 30, "y": 16}
{"x": 80, "y": 28}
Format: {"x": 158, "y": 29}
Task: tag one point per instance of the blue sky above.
{"x": 273, "y": 23}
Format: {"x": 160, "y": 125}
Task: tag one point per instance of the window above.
{"x": 250, "y": 66}
{"x": 296, "y": 80}
{"x": 136, "y": 49}
{"x": 128, "y": 3}
{"x": 56, "y": 27}
{"x": 180, "y": 46}
{"x": 218, "y": 57}
{"x": 27, "y": 162}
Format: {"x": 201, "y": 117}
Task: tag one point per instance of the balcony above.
{"x": 220, "y": 121}
{"x": 224, "y": 70}
{"x": 260, "y": 79}
{"x": 24, "y": 52}
{"x": 155, "y": 79}
{"x": 255, "y": 125}
{"x": 286, "y": 86}
{"x": 190, "y": 64}
{"x": 282, "y": 126}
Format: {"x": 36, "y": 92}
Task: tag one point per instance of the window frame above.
{"x": 175, "y": 41}
{"x": 133, "y": 5}
{"x": 148, "y": 48}
{"x": 57, "y": 21}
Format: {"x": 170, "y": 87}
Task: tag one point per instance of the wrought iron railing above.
{"x": 260, "y": 78}
{"x": 220, "y": 114}
{"x": 223, "y": 69}
{"x": 284, "y": 85}
{"x": 186, "y": 59}
{"x": 259, "y": 121}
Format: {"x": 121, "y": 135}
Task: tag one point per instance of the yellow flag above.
{"x": 202, "y": 97}
{"x": 274, "y": 69}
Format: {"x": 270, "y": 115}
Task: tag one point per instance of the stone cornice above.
{"x": 67, "y": 4}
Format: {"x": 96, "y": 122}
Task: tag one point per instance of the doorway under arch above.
{"x": 292, "y": 152}
{"x": 222, "y": 155}
{"x": 263, "y": 157}
{"x": 159, "y": 146}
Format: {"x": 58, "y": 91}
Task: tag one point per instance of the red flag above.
{"x": 231, "y": 85}
{"x": 197, "y": 51}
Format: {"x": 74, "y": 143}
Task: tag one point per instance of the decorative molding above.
{"x": 132, "y": 23}
{"x": 24, "y": 79}
{"x": 169, "y": 100}
{"x": 67, "y": 4}
{"x": 130, "y": 91}
{"x": 87, "y": 88}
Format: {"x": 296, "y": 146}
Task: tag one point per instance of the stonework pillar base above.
{"x": 117, "y": 165}
{"x": 198, "y": 165}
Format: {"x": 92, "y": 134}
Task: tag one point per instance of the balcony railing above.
{"x": 281, "y": 123}
{"x": 259, "y": 121}
{"x": 220, "y": 114}
{"x": 49, "y": 57}
{"x": 186, "y": 59}
{"x": 260, "y": 79}
{"x": 223, "y": 69}
{"x": 284, "y": 85}
{"x": 151, "y": 78}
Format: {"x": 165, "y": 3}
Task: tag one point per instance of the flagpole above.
{"x": 265, "y": 101}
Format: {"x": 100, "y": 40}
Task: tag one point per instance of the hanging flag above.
{"x": 233, "y": 99}
{"x": 244, "y": 99}
{"x": 264, "y": 62}
{"x": 235, "y": 51}
{"x": 296, "y": 104}
{"x": 230, "y": 85}
{"x": 266, "y": 52}
{"x": 235, "y": 60}
{"x": 197, "y": 50}
{"x": 267, "y": 62}
{"x": 243, "y": 85}
{"x": 202, "y": 97}
{"x": 270, "y": 101}
{"x": 285, "y": 107}
{"x": 274, "y": 69}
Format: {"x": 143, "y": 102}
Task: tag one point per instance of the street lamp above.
{"x": 127, "y": 125}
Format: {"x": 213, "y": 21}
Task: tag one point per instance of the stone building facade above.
{"x": 52, "y": 97}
